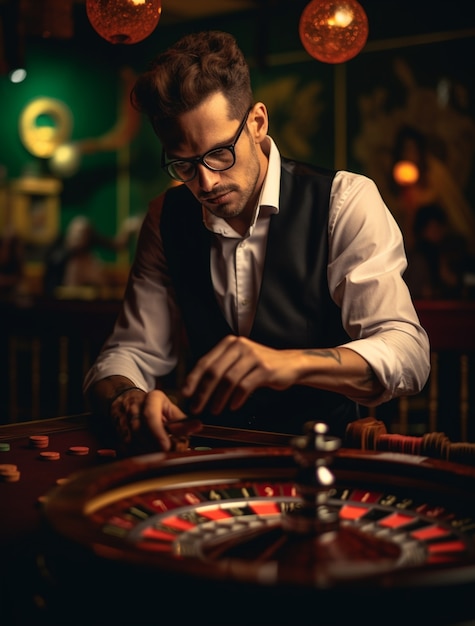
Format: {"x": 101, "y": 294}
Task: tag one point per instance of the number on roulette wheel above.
{"x": 308, "y": 533}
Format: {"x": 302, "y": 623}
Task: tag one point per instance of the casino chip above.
{"x": 78, "y": 450}
{"x": 106, "y": 453}
{"x": 50, "y": 455}
{"x": 9, "y": 473}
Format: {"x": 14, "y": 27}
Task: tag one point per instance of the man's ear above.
{"x": 259, "y": 122}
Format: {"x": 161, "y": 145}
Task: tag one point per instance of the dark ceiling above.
{"x": 65, "y": 19}
{"x": 37, "y": 15}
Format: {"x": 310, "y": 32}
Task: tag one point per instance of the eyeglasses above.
{"x": 216, "y": 160}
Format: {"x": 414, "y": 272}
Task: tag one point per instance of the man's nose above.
{"x": 206, "y": 178}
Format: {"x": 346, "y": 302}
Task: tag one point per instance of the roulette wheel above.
{"x": 308, "y": 533}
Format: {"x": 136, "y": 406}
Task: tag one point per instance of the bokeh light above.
{"x": 124, "y": 21}
{"x": 65, "y": 161}
{"x": 333, "y": 31}
{"x": 405, "y": 173}
{"x": 18, "y": 75}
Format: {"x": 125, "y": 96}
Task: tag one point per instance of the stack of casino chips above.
{"x": 435, "y": 445}
{"x": 371, "y": 434}
{"x": 399, "y": 443}
{"x": 9, "y": 473}
{"x": 462, "y": 452}
{"x": 364, "y": 433}
{"x": 38, "y": 441}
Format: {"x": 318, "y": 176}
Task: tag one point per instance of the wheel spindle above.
{"x": 313, "y": 453}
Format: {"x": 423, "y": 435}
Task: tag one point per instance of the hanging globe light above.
{"x": 333, "y": 31}
{"x": 124, "y": 21}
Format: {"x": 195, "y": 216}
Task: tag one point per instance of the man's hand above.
{"x": 148, "y": 422}
{"x": 232, "y": 370}
{"x": 227, "y": 375}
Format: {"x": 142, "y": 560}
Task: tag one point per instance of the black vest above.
{"x": 294, "y": 309}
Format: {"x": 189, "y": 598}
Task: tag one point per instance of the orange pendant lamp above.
{"x": 333, "y": 31}
{"x": 124, "y": 21}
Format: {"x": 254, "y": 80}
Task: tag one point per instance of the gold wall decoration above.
{"x": 44, "y": 125}
{"x": 35, "y": 209}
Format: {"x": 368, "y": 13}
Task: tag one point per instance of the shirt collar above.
{"x": 270, "y": 191}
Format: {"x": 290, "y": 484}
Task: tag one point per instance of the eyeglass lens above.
{"x": 219, "y": 159}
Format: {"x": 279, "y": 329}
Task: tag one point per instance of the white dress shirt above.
{"x": 366, "y": 263}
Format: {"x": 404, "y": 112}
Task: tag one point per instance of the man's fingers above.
{"x": 158, "y": 408}
{"x": 205, "y": 380}
{"x": 212, "y": 364}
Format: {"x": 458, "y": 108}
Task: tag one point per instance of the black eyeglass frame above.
{"x": 201, "y": 159}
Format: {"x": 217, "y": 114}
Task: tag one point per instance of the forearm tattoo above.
{"x": 369, "y": 380}
{"x": 326, "y": 352}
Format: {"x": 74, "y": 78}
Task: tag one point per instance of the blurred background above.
{"x": 78, "y": 168}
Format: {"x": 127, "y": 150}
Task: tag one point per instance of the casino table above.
{"x": 222, "y": 533}
{"x": 22, "y": 587}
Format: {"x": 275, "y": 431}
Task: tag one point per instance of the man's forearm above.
{"x": 343, "y": 371}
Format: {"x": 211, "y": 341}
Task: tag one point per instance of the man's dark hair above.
{"x": 196, "y": 67}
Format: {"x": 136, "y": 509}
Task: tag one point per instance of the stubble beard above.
{"x": 244, "y": 196}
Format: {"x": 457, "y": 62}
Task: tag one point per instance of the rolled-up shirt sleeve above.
{"x": 144, "y": 344}
{"x": 365, "y": 274}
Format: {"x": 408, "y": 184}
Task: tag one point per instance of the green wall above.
{"x": 315, "y": 108}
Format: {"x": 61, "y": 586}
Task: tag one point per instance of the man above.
{"x": 287, "y": 277}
